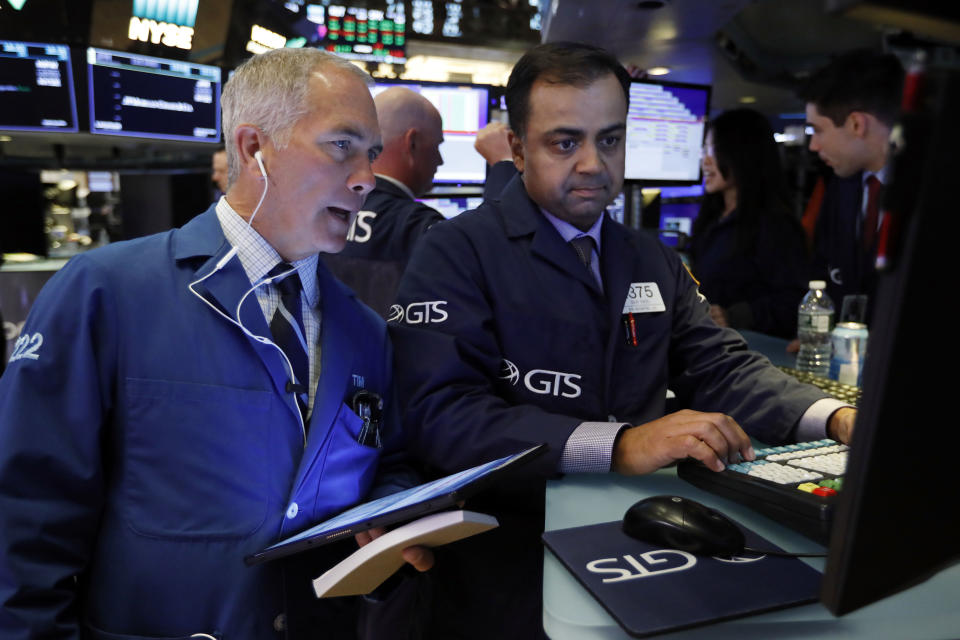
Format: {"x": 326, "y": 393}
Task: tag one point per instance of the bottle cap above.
{"x": 818, "y": 284}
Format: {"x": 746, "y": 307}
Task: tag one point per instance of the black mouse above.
{"x": 672, "y": 522}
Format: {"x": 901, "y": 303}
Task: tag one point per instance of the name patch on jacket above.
{"x": 643, "y": 297}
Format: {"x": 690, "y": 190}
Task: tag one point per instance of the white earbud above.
{"x": 258, "y": 156}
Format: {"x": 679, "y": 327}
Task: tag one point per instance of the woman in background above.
{"x": 748, "y": 249}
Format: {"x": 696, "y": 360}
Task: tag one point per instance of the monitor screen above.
{"x": 887, "y": 535}
{"x": 36, "y": 87}
{"x": 450, "y": 206}
{"x": 146, "y": 97}
{"x": 464, "y": 109}
{"x": 665, "y": 126}
{"x": 679, "y": 207}
{"x": 357, "y": 32}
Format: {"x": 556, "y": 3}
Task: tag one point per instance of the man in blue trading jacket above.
{"x": 153, "y": 435}
{"x": 511, "y": 336}
{"x": 383, "y": 235}
{"x": 852, "y": 104}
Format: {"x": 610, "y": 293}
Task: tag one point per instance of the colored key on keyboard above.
{"x": 794, "y": 484}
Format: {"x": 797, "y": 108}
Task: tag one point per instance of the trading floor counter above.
{"x": 926, "y": 611}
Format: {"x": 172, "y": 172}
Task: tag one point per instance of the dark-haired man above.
{"x": 852, "y": 103}
{"x": 537, "y": 318}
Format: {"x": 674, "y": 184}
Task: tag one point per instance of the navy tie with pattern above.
{"x": 584, "y": 246}
{"x": 288, "y": 332}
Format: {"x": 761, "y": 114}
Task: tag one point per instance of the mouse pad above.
{"x": 649, "y": 590}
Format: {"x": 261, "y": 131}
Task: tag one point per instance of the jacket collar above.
{"x": 394, "y": 186}
{"x": 524, "y": 218}
{"x": 200, "y": 237}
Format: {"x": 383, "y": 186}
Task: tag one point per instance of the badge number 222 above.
{"x": 27, "y": 346}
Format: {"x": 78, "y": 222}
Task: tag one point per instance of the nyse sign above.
{"x": 645, "y": 565}
{"x": 166, "y": 33}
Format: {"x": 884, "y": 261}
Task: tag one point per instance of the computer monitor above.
{"x": 465, "y": 109}
{"x": 451, "y": 206}
{"x": 147, "y": 97}
{"x": 679, "y": 207}
{"x": 896, "y": 523}
{"x": 665, "y": 125}
{"x": 36, "y": 87}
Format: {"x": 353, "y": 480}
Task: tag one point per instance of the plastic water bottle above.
{"x": 814, "y": 323}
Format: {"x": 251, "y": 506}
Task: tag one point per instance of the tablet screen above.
{"x": 416, "y": 501}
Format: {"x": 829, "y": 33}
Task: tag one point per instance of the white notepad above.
{"x": 366, "y": 568}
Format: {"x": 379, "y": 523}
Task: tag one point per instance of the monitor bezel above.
{"x": 144, "y": 135}
{"x": 644, "y": 181}
{"x": 71, "y": 90}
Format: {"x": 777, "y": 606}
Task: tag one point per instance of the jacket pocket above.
{"x": 194, "y": 459}
{"x": 345, "y": 469}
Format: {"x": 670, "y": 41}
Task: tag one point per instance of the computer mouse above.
{"x": 673, "y": 522}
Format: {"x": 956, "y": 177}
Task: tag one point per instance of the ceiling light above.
{"x": 747, "y": 99}
{"x": 658, "y": 71}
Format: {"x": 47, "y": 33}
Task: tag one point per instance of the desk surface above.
{"x": 928, "y": 610}
{"x": 770, "y": 346}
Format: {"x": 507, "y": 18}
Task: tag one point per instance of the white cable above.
{"x": 222, "y": 262}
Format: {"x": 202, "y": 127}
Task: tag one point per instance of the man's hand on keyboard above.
{"x": 712, "y": 438}
{"x": 840, "y": 425}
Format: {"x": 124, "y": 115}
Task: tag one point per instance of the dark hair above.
{"x": 860, "y": 80}
{"x": 567, "y": 63}
{"x": 747, "y": 155}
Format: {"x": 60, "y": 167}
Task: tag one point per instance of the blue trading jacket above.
{"x": 147, "y": 446}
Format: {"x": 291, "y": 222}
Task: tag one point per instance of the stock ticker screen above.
{"x": 147, "y": 97}
{"x": 373, "y": 31}
{"x": 665, "y": 125}
{"x": 36, "y": 87}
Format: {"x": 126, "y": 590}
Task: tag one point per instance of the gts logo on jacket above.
{"x": 361, "y": 229}
{"x": 542, "y": 381}
{"x": 431, "y": 312}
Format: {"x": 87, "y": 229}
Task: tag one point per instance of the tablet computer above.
{"x": 442, "y": 493}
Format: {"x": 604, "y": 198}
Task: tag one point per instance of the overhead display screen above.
{"x": 368, "y": 30}
{"x": 665, "y": 127}
{"x": 146, "y": 97}
{"x": 36, "y": 87}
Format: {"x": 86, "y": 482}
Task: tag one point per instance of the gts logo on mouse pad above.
{"x": 649, "y": 589}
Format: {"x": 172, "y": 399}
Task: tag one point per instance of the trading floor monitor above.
{"x": 897, "y": 522}
{"x": 465, "y": 109}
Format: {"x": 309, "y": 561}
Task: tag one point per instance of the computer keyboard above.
{"x": 846, "y": 392}
{"x": 796, "y": 484}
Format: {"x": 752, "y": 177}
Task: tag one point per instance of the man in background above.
{"x": 384, "y": 232}
{"x": 852, "y": 104}
{"x": 219, "y": 176}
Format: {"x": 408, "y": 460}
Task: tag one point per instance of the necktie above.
{"x": 288, "y": 332}
{"x": 869, "y": 234}
{"x": 584, "y": 245}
